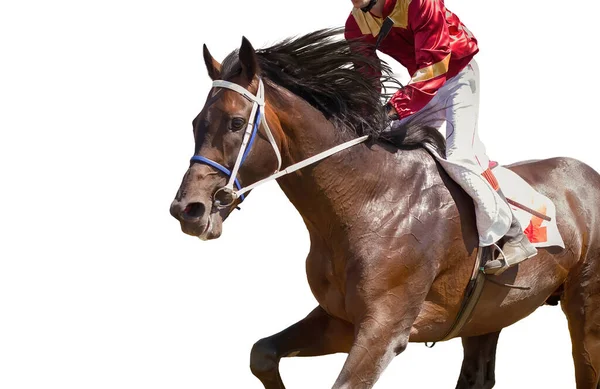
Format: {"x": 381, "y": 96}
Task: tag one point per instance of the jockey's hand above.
{"x": 391, "y": 112}
{"x": 391, "y": 116}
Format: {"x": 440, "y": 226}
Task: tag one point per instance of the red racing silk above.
{"x": 427, "y": 39}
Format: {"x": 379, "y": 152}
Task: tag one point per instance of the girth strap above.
{"x": 472, "y": 294}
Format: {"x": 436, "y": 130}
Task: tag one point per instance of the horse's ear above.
{"x": 213, "y": 67}
{"x": 248, "y": 60}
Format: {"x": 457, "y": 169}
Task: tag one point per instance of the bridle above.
{"x": 257, "y": 115}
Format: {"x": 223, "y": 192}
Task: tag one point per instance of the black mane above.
{"x": 330, "y": 73}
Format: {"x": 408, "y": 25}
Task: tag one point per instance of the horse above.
{"x": 393, "y": 239}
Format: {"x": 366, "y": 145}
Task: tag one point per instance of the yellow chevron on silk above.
{"x": 400, "y": 13}
{"x": 370, "y": 24}
{"x": 431, "y": 71}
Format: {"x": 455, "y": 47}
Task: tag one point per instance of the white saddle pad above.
{"x": 541, "y": 233}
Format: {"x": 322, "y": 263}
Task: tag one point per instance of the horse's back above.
{"x": 541, "y": 173}
{"x": 574, "y": 187}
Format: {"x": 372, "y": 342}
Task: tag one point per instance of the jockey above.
{"x": 438, "y": 50}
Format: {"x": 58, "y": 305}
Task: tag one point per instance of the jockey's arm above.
{"x": 432, "y": 50}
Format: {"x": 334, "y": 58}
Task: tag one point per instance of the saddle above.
{"x": 532, "y": 209}
{"x": 535, "y": 212}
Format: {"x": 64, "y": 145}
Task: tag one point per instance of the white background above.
{"x": 99, "y": 288}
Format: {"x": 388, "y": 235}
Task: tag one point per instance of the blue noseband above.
{"x": 223, "y": 169}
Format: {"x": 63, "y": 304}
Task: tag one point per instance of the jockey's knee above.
{"x": 461, "y": 157}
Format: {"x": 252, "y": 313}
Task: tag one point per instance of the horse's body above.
{"x": 393, "y": 244}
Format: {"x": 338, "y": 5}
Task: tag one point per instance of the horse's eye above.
{"x": 237, "y": 124}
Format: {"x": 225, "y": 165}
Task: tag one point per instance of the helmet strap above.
{"x": 369, "y": 6}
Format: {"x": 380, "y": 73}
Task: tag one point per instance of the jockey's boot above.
{"x": 516, "y": 248}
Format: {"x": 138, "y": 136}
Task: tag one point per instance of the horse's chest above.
{"x": 327, "y": 283}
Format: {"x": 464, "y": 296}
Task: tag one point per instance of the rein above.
{"x": 257, "y": 116}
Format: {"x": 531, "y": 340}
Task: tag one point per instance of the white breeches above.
{"x": 454, "y": 111}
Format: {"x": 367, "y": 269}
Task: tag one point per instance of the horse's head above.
{"x": 322, "y": 90}
{"x": 221, "y": 131}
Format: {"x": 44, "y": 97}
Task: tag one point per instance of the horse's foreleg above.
{"x": 317, "y": 334}
{"x": 382, "y": 334}
{"x": 479, "y": 363}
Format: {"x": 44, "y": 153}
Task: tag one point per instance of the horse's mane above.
{"x": 333, "y": 76}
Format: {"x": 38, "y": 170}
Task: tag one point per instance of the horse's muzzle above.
{"x": 196, "y": 218}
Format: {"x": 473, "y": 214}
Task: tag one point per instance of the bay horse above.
{"x": 393, "y": 238}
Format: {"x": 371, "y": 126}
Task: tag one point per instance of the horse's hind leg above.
{"x": 479, "y": 363}
{"x": 317, "y": 334}
{"x": 581, "y": 304}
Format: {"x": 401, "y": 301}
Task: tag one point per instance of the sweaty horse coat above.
{"x": 393, "y": 240}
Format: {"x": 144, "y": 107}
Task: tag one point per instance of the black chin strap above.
{"x": 386, "y": 27}
{"x": 369, "y": 6}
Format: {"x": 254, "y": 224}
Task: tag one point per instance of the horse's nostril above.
{"x": 194, "y": 210}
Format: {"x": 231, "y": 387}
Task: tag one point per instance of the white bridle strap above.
{"x": 245, "y": 140}
{"x": 306, "y": 162}
{"x": 259, "y": 101}
{"x": 261, "y": 94}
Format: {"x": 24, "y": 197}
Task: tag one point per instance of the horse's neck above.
{"x": 329, "y": 193}
{"x": 312, "y": 189}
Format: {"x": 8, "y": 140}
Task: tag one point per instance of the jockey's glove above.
{"x": 391, "y": 112}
